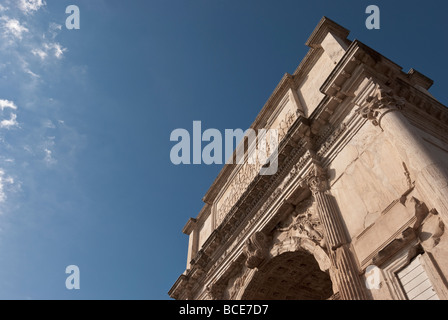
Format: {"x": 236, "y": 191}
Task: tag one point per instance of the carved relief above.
{"x": 317, "y": 183}
{"x": 286, "y": 123}
{"x": 250, "y": 169}
{"x": 256, "y": 249}
{"x": 216, "y": 291}
{"x": 303, "y": 230}
{"x": 239, "y": 184}
{"x": 304, "y": 223}
{"x": 311, "y": 226}
{"x": 329, "y": 142}
{"x": 237, "y": 283}
{"x": 316, "y": 179}
{"x": 266, "y": 204}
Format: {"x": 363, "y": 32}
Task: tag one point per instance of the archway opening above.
{"x": 290, "y": 276}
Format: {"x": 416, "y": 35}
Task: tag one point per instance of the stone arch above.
{"x": 296, "y": 269}
{"x": 294, "y": 244}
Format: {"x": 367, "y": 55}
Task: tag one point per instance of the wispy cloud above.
{"x": 40, "y": 53}
{"x": 25, "y": 68}
{"x": 49, "y": 47}
{"x": 10, "y": 123}
{"x": 56, "y": 49}
{"x": 27, "y": 38}
{"x": 31, "y": 6}
{"x": 49, "y": 160}
{"x": 49, "y": 124}
{"x": 48, "y": 148}
{"x": 4, "y": 104}
{"x": 34, "y": 139}
{"x": 13, "y": 27}
{"x": 49, "y": 50}
{"x": 53, "y": 30}
{"x": 5, "y": 180}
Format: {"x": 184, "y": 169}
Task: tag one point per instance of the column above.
{"x": 349, "y": 282}
{"x": 384, "y": 110}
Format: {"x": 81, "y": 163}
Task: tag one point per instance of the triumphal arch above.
{"x": 358, "y": 206}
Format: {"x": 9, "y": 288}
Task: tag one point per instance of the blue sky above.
{"x": 86, "y": 117}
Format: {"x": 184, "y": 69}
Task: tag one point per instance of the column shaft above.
{"x": 432, "y": 175}
{"x": 349, "y": 281}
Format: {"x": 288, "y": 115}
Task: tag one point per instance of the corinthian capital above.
{"x": 317, "y": 179}
{"x": 317, "y": 184}
{"x": 382, "y": 101}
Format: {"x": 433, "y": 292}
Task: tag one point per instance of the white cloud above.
{"x": 13, "y": 27}
{"x": 12, "y": 122}
{"x": 32, "y": 56}
{"x": 8, "y": 124}
{"x": 55, "y": 26}
{"x": 31, "y": 73}
{"x": 28, "y": 149}
{"x": 40, "y": 53}
{"x": 31, "y": 6}
{"x": 49, "y": 124}
{"x": 54, "y": 29}
{"x": 47, "y": 149}
{"x": 50, "y": 49}
{"x": 4, "y": 180}
{"x": 56, "y": 49}
{"x": 26, "y": 69}
{"x": 49, "y": 160}
{"x": 7, "y": 104}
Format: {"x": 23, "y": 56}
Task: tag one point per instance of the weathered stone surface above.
{"x": 362, "y": 182}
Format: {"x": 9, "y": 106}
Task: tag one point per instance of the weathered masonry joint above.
{"x": 362, "y": 181}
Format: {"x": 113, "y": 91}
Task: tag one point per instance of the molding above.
{"x": 189, "y": 226}
{"x": 324, "y": 27}
{"x": 401, "y": 260}
{"x": 437, "y": 278}
{"x": 417, "y": 78}
{"x": 286, "y": 83}
{"x": 361, "y": 73}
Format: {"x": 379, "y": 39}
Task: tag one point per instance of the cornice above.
{"x": 420, "y": 79}
{"x": 328, "y": 132}
{"x": 421, "y": 102}
{"x": 361, "y": 62}
{"x": 286, "y": 83}
{"x": 189, "y": 226}
{"x": 178, "y": 290}
{"x": 324, "y": 27}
